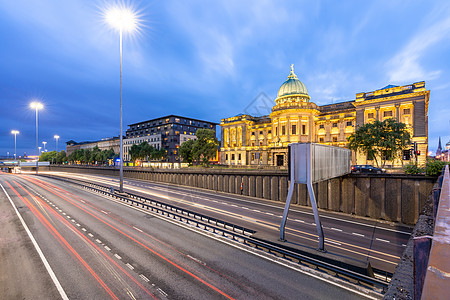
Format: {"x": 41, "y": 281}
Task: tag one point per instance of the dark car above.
{"x": 367, "y": 169}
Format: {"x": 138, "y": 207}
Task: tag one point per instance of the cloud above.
{"x": 406, "y": 64}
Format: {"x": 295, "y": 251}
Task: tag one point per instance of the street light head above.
{"x": 122, "y": 17}
{"x": 56, "y": 136}
{"x": 15, "y": 131}
{"x": 36, "y": 105}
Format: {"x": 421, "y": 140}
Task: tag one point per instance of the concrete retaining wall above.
{"x": 396, "y": 198}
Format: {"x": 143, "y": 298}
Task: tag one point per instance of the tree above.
{"x": 380, "y": 140}
{"x": 186, "y": 151}
{"x": 205, "y": 147}
{"x": 144, "y": 151}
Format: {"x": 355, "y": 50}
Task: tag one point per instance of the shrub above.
{"x": 412, "y": 168}
{"x": 434, "y": 167}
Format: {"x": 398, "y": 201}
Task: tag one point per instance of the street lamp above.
{"x": 122, "y": 19}
{"x": 45, "y": 143}
{"x": 56, "y": 137}
{"x": 15, "y": 132}
{"x": 37, "y": 106}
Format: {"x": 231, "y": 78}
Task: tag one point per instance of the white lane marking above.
{"x": 104, "y": 212}
{"x": 255, "y": 210}
{"x": 233, "y": 205}
{"x": 268, "y": 213}
{"x": 39, "y": 251}
{"x": 137, "y": 229}
{"x": 358, "y": 234}
{"x": 98, "y": 241}
{"x": 337, "y": 229}
{"x": 381, "y": 240}
{"x": 60, "y": 210}
{"x": 84, "y": 229}
{"x": 64, "y": 213}
{"x": 107, "y": 248}
{"x": 90, "y": 234}
{"x": 301, "y": 221}
{"x": 82, "y": 201}
{"x": 339, "y": 244}
{"x": 73, "y": 221}
{"x": 117, "y": 256}
{"x": 403, "y": 245}
{"x": 78, "y": 225}
{"x": 162, "y": 292}
{"x": 197, "y": 260}
{"x": 144, "y": 278}
{"x": 68, "y": 217}
{"x": 129, "y": 266}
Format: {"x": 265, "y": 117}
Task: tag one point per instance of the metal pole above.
{"x": 15, "y": 145}
{"x": 312, "y": 197}
{"x": 37, "y": 145}
{"x": 121, "y": 139}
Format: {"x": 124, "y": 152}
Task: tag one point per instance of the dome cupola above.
{"x": 293, "y": 86}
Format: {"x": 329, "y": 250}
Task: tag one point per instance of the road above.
{"x": 356, "y": 239}
{"x": 93, "y": 247}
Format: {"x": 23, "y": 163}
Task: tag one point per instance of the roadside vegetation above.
{"x": 201, "y": 150}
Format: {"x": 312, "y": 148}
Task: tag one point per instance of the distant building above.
{"x": 443, "y": 154}
{"x": 167, "y": 133}
{"x": 103, "y": 144}
{"x": 248, "y": 140}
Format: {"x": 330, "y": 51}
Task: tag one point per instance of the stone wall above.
{"x": 397, "y": 198}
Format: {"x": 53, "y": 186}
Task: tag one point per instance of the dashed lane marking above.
{"x": 137, "y": 229}
{"x": 337, "y": 229}
{"x": 91, "y": 235}
{"x": 117, "y": 256}
{"x": 381, "y": 240}
{"x": 144, "y": 278}
{"x": 358, "y": 234}
{"x": 84, "y": 229}
{"x": 107, "y": 248}
{"x": 129, "y": 266}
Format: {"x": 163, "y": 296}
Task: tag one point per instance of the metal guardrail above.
{"x": 235, "y": 232}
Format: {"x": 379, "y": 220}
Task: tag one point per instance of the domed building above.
{"x": 263, "y": 140}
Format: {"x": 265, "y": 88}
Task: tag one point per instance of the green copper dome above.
{"x": 292, "y": 86}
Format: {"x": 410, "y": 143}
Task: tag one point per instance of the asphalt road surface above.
{"x": 356, "y": 240}
{"x": 79, "y": 245}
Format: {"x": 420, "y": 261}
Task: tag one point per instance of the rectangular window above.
{"x": 276, "y": 130}
{"x": 334, "y": 139}
{"x": 260, "y": 132}
{"x": 407, "y": 111}
{"x": 406, "y": 154}
{"x": 253, "y": 133}
{"x": 270, "y": 131}
{"x": 370, "y": 116}
{"x": 321, "y": 126}
{"x": 349, "y": 123}
{"x": 303, "y": 129}
{"x": 387, "y": 113}
{"x": 232, "y": 156}
{"x": 239, "y": 156}
{"x": 294, "y": 129}
{"x": 226, "y": 156}
{"x": 320, "y": 140}
{"x": 283, "y": 130}
{"x": 335, "y": 125}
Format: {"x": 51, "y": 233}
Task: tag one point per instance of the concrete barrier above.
{"x": 397, "y": 198}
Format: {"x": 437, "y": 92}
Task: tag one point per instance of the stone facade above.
{"x": 249, "y": 140}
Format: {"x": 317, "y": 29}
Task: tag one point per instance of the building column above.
{"x": 288, "y": 128}
{"x": 377, "y": 108}
{"x": 397, "y": 109}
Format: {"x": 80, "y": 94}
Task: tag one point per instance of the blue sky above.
{"x": 208, "y": 60}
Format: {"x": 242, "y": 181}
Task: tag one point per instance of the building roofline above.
{"x": 177, "y": 116}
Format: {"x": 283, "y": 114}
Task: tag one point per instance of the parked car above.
{"x": 367, "y": 169}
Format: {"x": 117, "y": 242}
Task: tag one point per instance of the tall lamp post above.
{"x": 122, "y": 19}
{"x": 15, "y": 132}
{"x": 56, "y": 137}
{"x": 37, "y": 106}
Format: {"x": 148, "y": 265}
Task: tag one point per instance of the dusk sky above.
{"x": 208, "y": 60}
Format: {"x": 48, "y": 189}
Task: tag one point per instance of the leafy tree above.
{"x": 380, "y": 140}
{"x": 205, "y": 147}
{"x": 186, "y": 151}
{"x": 53, "y": 157}
{"x": 145, "y": 151}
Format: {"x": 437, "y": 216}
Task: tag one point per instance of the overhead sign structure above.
{"x": 310, "y": 163}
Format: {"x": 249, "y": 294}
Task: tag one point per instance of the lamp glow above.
{"x": 56, "y": 137}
